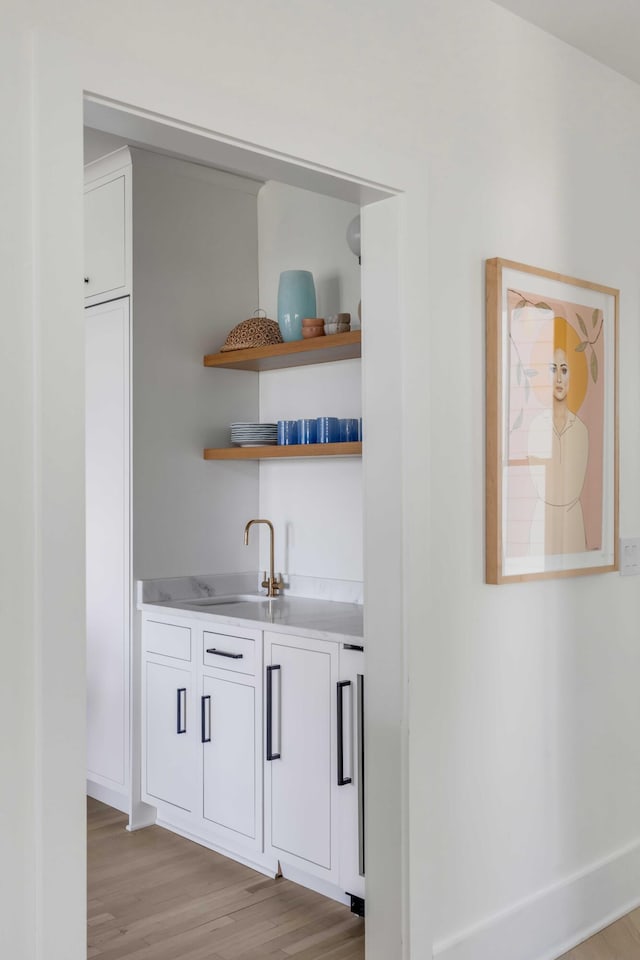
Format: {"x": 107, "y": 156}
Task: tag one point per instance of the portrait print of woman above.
{"x": 553, "y": 477}
{"x": 558, "y": 443}
{"x": 551, "y": 489}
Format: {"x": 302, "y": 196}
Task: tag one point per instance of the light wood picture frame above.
{"x": 551, "y": 425}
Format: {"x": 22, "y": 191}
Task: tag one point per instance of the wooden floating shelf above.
{"x": 297, "y": 353}
{"x": 285, "y": 452}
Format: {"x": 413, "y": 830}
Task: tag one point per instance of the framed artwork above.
{"x": 552, "y": 425}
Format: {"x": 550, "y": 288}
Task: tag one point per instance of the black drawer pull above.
{"x": 270, "y": 754}
{"x": 181, "y": 710}
{"x": 203, "y": 724}
{"x": 225, "y": 653}
{"x": 342, "y": 780}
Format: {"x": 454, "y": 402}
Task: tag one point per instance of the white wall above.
{"x": 17, "y": 553}
{"x": 195, "y": 276}
{"x": 315, "y": 505}
{"x": 524, "y": 738}
{"x": 524, "y": 716}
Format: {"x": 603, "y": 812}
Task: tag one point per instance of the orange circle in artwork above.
{"x": 565, "y": 338}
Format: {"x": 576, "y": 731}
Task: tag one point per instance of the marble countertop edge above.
{"x": 318, "y": 619}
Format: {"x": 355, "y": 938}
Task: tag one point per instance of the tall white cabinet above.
{"x": 108, "y": 538}
{"x": 170, "y": 268}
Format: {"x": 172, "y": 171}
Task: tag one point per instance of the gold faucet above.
{"x": 273, "y": 586}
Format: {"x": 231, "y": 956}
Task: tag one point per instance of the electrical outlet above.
{"x": 629, "y": 557}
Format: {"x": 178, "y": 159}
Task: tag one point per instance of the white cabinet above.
{"x": 300, "y": 751}
{"x": 228, "y": 712}
{"x": 107, "y": 234}
{"x": 350, "y": 820}
{"x": 231, "y": 726}
{"x": 107, "y": 410}
{"x": 202, "y": 760}
{"x": 314, "y": 752}
{"x": 170, "y": 724}
{"x": 265, "y": 761}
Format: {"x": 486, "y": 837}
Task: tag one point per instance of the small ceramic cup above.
{"x": 287, "y": 432}
{"x": 349, "y": 430}
{"x": 328, "y": 430}
{"x": 307, "y": 431}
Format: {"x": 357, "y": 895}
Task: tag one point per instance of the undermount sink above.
{"x": 236, "y": 598}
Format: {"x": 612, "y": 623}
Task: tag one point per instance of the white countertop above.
{"x": 320, "y": 619}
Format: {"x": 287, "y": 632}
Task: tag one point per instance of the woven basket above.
{"x": 254, "y": 332}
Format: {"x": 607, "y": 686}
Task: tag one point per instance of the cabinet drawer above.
{"x": 167, "y": 639}
{"x": 232, "y": 653}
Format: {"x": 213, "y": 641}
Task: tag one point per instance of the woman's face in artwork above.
{"x": 560, "y": 375}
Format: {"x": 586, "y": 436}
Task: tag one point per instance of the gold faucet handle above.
{"x": 265, "y": 583}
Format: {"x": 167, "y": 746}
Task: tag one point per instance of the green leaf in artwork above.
{"x": 518, "y": 421}
{"x": 594, "y": 366}
{"x": 595, "y": 317}
{"x": 520, "y": 304}
{"x": 541, "y": 305}
{"x": 583, "y": 325}
{"x": 530, "y": 372}
{"x": 582, "y": 346}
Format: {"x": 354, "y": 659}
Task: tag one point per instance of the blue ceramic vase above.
{"x": 296, "y": 300}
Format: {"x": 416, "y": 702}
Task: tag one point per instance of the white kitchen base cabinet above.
{"x": 350, "y": 825}
{"x": 170, "y": 724}
{"x": 206, "y": 783}
{"x": 300, "y": 752}
{"x": 228, "y": 712}
{"x": 264, "y": 763}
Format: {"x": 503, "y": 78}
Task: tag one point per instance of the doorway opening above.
{"x": 113, "y": 127}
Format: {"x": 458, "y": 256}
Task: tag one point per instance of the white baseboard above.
{"x": 141, "y": 815}
{"x": 113, "y": 798}
{"x": 265, "y": 868}
{"x": 314, "y": 883}
{"x": 550, "y": 923}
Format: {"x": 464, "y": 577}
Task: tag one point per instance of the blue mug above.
{"x": 287, "y": 432}
{"x": 307, "y": 431}
{"x": 328, "y": 430}
{"x": 349, "y": 430}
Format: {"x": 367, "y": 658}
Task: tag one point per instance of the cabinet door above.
{"x": 170, "y": 734}
{"x": 107, "y": 416}
{"x": 228, "y": 728}
{"x": 105, "y": 258}
{"x": 300, "y": 735}
{"x": 350, "y": 771}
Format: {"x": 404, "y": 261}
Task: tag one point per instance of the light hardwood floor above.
{"x": 155, "y": 896}
{"x": 620, "y": 941}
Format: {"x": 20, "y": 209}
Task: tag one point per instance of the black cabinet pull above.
{"x": 342, "y": 780}
{"x": 203, "y": 719}
{"x": 360, "y": 768}
{"x": 270, "y": 754}
{"x": 225, "y": 653}
{"x": 86, "y": 279}
{"x": 180, "y": 728}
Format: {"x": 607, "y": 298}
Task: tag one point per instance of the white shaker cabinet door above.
{"x": 105, "y": 231}
{"x": 228, "y": 734}
{"x": 350, "y": 819}
{"x": 300, "y": 727}
{"x": 107, "y": 542}
{"x": 171, "y": 728}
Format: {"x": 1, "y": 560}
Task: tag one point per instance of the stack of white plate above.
{"x": 254, "y": 434}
